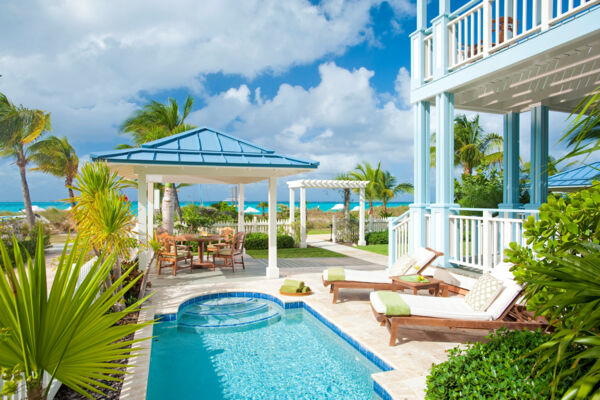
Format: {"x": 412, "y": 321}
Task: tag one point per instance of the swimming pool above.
{"x": 247, "y": 346}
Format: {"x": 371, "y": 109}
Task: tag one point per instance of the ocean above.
{"x": 322, "y": 205}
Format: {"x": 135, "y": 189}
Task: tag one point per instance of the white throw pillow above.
{"x": 484, "y": 292}
{"x": 403, "y": 265}
{"x": 422, "y": 256}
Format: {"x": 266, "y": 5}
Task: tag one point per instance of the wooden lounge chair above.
{"x": 229, "y": 254}
{"x": 171, "y": 253}
{"x": 379, "y": 280}
{"x": 228, "y": 234}
{"x": 453, "y": 312}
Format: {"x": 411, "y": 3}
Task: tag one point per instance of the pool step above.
{"x": 228, "y": 312}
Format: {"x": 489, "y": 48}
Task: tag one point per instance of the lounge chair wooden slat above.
{"x": 335, "y": 286}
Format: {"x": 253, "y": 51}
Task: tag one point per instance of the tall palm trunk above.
{"x": 176, "y": 203}
{"x": 168, "y": 208}
{"x": 22, "y": 164}
{"x": 384, "y": 205}
{"x": 347, "y": 205}
{"x": 69, "y": 184}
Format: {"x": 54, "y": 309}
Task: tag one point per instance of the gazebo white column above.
{"x": 272, "y": 269}
{"x": 292, "y": 205}
{"x": 150, "y": 210}
{"x": 361, "y": 218}
{"x": 302, "y": 217}
{"x": 241, "y": 219}
{"x": 142, "y": 221}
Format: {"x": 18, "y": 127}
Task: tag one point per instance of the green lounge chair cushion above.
{"x": 414, "y": 278}
{"x": 293, "y": 283}
{"x": 393, "y": 302}
{"x": 289, "y": 289}
{"x": 336, "y": 274}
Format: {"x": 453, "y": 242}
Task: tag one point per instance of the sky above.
{"x": 326, "y": 81}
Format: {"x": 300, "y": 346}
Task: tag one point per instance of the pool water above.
{"x": 250, "y": 348}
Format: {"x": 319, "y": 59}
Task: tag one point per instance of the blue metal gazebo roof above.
{"x": 575, "y": 178}
{"x": 203, "y": 147}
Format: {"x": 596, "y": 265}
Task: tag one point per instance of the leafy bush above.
{"x": 260, "y": 241}
{"x": 562, "y": 284}
{"x": 493, "y": 370}
{"x": 562, "y": 225}
{"x": 25, "y": 237}
{"x": 482, "y": 190}
{"x": 377, "y": 237}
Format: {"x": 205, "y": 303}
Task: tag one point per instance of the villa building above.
{"x": 495, "y": 56}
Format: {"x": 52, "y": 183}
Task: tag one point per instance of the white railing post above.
{"x": 333, "y": 230}
{"x": 487, "y": 241}
{"x": 391, "y": 242}
{"x": 546, "y": 13}
{"x": 487, "y": 27}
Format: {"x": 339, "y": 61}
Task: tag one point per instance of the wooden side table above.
{"x": 434, "y": 285}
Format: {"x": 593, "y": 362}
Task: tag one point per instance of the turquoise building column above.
{"x": 538, "y": 173}
{"x": 444, "y": 177}
{"x": 421, "y": 175}
{"x": 511, "y": 192}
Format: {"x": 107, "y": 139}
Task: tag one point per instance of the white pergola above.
{"x": 203, "y": 156}
{"x": 304, "y": 184}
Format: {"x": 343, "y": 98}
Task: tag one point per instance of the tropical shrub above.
{"x": 562, "y": 224}
{"x": 260, "y": 241}
{"x": 494, "y": 370}
{"x": 377, "y": 237}
{"x": 561, "y": 272}
{"x": 25, "y": 237}
{"x": 482, "y": 190}
{"x": 67, "y": 331}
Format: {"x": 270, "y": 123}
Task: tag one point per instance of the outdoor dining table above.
{"x": 201, "y": 240}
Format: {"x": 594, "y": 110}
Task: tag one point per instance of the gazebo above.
{"x": 303, "y": 184}
{"x": 203, "y": 155}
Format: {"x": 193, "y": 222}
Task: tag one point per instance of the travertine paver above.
{"x": 368, "y": 256}
{"x": 411, "y": 357}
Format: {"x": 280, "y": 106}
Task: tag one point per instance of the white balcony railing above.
{"x": 482, "y": 27}
{"x": 477, "y": 242}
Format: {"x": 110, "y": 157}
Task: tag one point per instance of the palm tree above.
{"x": 365, "y": 172}
{"x": 472, "y": 146}
{"x": 387, "y": 188}
{"x": 156, "y": 121}
{"x": 583, "y": 135}
{"x": 552, "y": 167}
{"x": 102, "y": 214}
{"x": 19, "y": 126}
{"x": 262, "y": 205}
{"x": 346, "y": 191}
{"x": 57, "y": 157}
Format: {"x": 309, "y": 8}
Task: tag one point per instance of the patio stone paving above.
{"x": 411, "y": 357}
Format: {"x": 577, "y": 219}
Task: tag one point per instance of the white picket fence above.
{"x": 256, "y": 225}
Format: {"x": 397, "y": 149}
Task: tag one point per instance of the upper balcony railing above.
{"x": 482, "y": 27}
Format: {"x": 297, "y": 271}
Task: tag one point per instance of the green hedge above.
{"x": 377, "y": 237}
{"x": 493, "y": 370}
{"x": 260, "y": 241}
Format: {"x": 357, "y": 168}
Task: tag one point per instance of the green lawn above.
{"x": 375, "y": 248}
{"x": 319, "y": 231}
{"x": 308, "y": 252}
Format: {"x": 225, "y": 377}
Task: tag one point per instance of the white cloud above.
{"x": 339, "y": 122}
{"x": 87, "y": 61}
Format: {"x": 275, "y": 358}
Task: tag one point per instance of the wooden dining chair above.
{"x": 228, "y": 233}
{"x": 171, "y": 253}
{"x": 229, "y": 254}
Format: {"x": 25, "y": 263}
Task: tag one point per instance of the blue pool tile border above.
{"x": 381, "y": 392}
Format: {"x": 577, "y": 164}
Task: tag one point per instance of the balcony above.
{"x": 510, "y": 55}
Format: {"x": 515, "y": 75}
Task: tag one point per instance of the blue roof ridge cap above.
{"x": 178, "y": 136}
